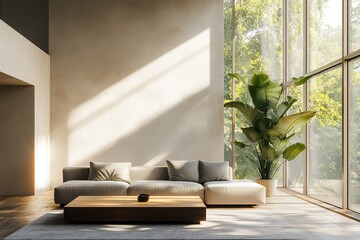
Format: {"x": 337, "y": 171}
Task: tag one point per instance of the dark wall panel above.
{"x": 30, "y": 18}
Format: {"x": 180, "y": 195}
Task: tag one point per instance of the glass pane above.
{"x": 259, "y": 39}
{"x": 295, "y": 169}
{"x": 325, "y": 32}
{"x": 354, "y": 134}
{"x": 325, "y": 139}
{"x": 295, "y": 69}
{"x": 259, "y": 44}
{"x": 354, "y": 25}
{"x": 295, "y": 38}
{"x": 227, "y": 82}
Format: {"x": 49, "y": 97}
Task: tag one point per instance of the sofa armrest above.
{"x": 75, "y": 173}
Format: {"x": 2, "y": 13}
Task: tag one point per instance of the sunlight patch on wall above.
{"x": 156, "y": 160}
{"x": 142, "y": 97}
{"x": 42, "y": 164}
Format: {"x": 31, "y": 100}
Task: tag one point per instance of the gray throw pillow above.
{"x": 213, "y": 171}
{"x": 110, "y": 171}
{"x": 183, "y": 170}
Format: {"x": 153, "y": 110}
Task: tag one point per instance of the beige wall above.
{"x": 138, "y": 81}
{"x": 17, "y": 140}
{"x": 24, "y": 63}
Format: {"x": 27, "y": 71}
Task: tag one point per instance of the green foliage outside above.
{"x": 354, "y": 25}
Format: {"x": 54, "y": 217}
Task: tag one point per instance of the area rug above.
{"x": 220, "y": 224}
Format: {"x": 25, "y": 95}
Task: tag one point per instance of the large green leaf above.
{"x": 296, "y": 81}
{"x": 284, "y": 106}
{"x": 271, "y": 115}
{"x": 268, "y": 153}
{"x": 300, "y": 80}
{"x": 260, "y": 80}
{"x": 288, "y": 123}
{"x": 252, "y": 115}
{"x": 273, "y": 134}
{"x": 261, "y": 127}
{"x": 252, "y": 134}
{"x": 281, "y": 144}
{"x": 241, "y": 78}
{"x": 291, "y": 152}
{"x": 265, "y": 94}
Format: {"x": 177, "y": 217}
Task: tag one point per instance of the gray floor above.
{"x": 283, "y": 217}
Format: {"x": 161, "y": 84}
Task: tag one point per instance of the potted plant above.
{"x": 269, "y": 130}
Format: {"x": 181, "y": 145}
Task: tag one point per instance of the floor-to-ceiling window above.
{"x": 325, "y": 97}
{"x": 325, "y": 137}
{"x": 253, "y": 43}
{"x": 354, "y": 127}
{"x": 354, "y": 105}
{"x": 321, "y": 39}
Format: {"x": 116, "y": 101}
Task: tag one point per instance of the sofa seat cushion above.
{"x": 235, "y": 192}
{"x": 166, "y": 188}
{"x": 70, "y": 190}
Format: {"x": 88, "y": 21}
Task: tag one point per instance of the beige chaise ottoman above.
{"x": 234, "y": 192}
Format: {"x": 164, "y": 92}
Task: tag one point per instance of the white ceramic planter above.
{"x": 269, "y": 184}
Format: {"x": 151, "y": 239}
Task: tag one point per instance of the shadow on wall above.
{"x": 137, "y": 81}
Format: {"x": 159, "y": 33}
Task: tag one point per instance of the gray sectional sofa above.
{"x": 155, "y": 181}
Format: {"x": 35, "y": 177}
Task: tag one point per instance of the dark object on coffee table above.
{"x": 143, "y": 197}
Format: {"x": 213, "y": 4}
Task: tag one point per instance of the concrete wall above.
{"x": 17, "y": 140}
{"x": 138, "y": 81}
{"x": 27, "y": 64}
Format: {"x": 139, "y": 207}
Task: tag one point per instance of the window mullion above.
{"x": 233, "y": 126}
{"x": 345, "y": 127}
{"x": 306, "y": 93}
{"x": 285, "y": 72}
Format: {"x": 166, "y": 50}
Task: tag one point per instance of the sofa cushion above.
{"x": 110, "y": 171}
{"x": 213, "y": 171}
{"x": 75, "y": 173}
{"x": 166, "y": 188}
{"x": 70, "y": 190}
{"x": 235, "y": 192}
{"x": 183, "y": 170}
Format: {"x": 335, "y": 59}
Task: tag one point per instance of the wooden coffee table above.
{"x": 189, "y": 209}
